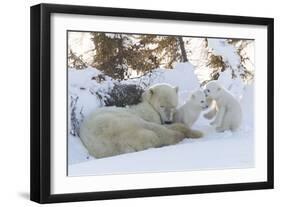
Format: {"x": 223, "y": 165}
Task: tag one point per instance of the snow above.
{"x": 82, "y": 85}
{"x": 235, "y": 86}
{"x": 81, "y": 45}
{"x": 213, "y": 151}
{"x": 227, "y": 51}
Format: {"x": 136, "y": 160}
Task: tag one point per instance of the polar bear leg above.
{"x": 195, "y": 134}
{"x": 213, "y": 110}
{"x": 231, "y": 121}
{"x": 216, "y": 121}
{"x": 226, "y": 123}
{"x": 166, "y": 135}
{"x": 211, "y": 114}
{"x": 220, "y": 117}
{"x": 99, "y": 147}
{"x": 124, "y": 143}
{"x": 234, "y": 127}
{"x": 235, "y": 124}
{"x": 188, "y": 133}
{"x": 103, "y": 143}
{"x": 147, "y": 139}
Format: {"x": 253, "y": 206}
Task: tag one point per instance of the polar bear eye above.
{"x": 208, "y": 90}
{"x": 202, "y": 101}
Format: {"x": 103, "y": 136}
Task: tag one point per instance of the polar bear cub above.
{"x": 229, "y": 115}
{"x": 189, "y": 112}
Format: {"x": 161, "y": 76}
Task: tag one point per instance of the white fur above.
{"x": 229, "y": 115}
{"x": 212, "y": 109}
{"x": 112, "y": 130}
{"x": 189, "y": 112}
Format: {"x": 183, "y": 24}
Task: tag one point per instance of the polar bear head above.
{"x": 213, "y": 90}
{"x": 164, "y": 99}
{"x": 198, "y": 98}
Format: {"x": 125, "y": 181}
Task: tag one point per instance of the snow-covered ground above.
{"x": 213, "y": 151}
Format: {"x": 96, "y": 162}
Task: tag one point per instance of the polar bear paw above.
{"x": 195, "y": 134}
{"x": 213, "y": 123}
{"x": 220, "y": 129}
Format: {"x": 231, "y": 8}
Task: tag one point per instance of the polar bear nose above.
{"x": 167, "y": 122}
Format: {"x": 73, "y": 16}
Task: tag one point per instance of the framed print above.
{"x": 132, "y": 103}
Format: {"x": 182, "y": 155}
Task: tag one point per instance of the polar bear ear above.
{"x": 151, "y": 92}
{"x": 147, "y": 94}
{"x": 176, "y": 89}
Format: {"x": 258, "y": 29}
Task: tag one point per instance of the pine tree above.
{"x": 243, "y": 69}
{"x": 182, "y": 48}
{"x": 75, "y": 61}
{"x": 109, "y": 54}
{"x": 116, "y": 54}
{"x": 142, "y": 56}
{"x": 218, "y": 64}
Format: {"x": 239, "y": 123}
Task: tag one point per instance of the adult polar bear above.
{"x": 229, "y": 115}
{"x": 111, "y": 131}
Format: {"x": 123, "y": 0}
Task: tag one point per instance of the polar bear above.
{"x": 189, "y": 112}
{"x": 110, "y": 131}
{"x": 229, "y": 112}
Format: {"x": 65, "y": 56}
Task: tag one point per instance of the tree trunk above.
{"x": 183, "y": 52}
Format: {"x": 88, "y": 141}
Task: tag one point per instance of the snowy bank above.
{"x": 213, "y": 151}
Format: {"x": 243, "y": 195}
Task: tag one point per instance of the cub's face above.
{"x": 164, "y": 99}
{"x": 212, "y": 90}
{"x": 200, "y": 99}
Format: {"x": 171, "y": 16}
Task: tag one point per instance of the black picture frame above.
{"x": 41, "y": 102}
